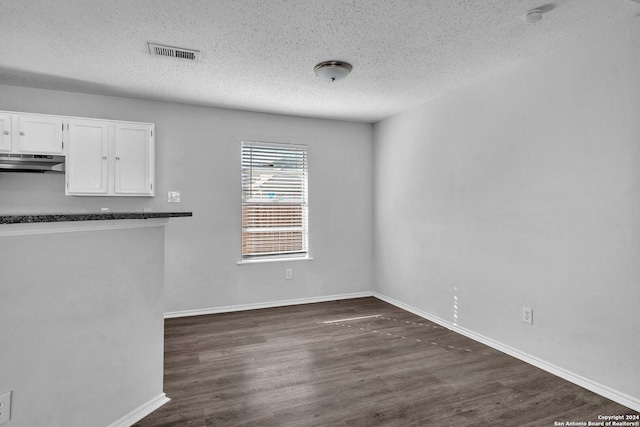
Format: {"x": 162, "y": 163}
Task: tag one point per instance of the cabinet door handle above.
{"x": 104, "y": 157}
{"x": 21, "y": 133}
{"x": 117, "y": 158}
{"x": 6, "y": 132}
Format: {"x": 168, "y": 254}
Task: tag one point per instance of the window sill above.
{"x": 260, "y": 261}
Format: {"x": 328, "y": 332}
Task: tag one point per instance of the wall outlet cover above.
{"x": 174, "y": 197}
{"x": 527, "y": 315}
{"x": 5, "y": 407}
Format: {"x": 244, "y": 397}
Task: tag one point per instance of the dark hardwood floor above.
{"x": 287, "y": 367}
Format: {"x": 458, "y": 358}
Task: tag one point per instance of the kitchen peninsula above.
{"x": 82, "y": 309}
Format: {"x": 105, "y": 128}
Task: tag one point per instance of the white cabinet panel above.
{"x": 40, "y": 135}
{"x": 88, "y": 157}
{"x": 107, "y": 158}
{"x": 5, "y": 132}
{"x": 134, "y": 158}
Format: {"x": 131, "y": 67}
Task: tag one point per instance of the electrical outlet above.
{"x": 174, "y": 197}
{"x": 288, "y": 273}
{"x": 527, "y": 315}
{"x": 5, "y": 407}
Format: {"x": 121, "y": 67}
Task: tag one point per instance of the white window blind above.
{"x": 274, "y": 200}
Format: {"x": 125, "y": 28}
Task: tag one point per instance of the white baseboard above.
{"x": 139, "y": 413}
{"x": 590, "y": 385}
{"x": 271, "y": 304}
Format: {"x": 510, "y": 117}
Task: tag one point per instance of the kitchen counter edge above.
{"x": 102, "y": 216}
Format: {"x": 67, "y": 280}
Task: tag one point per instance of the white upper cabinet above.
{"x": 5, "y": 133}
{"x": 103, "y": 157}
{"x": 40, "y": 134}
{"x": 107, "y": 158}
{"x": 87, "y": 165}
{"x": 134, "y": 159}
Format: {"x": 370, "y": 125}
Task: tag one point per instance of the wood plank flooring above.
{"x": 287, "y": 367}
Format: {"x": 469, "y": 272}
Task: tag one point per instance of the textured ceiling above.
{"x": 259, "y": 55}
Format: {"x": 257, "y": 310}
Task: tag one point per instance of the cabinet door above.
{"x": 87, "y": 157}
{"x": 40, "y": 135}
{"x": 5, "y": 132}
{"x": 134, "y": 159}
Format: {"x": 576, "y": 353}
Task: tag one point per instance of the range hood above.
{"x": 31, "y": 163}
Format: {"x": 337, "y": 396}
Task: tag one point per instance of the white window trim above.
{"x": 283, "y": 257}
{"x": 263, "y": 260}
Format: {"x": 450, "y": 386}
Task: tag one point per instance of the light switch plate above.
{"x": 174, "y": 197}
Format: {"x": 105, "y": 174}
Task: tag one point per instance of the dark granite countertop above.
{"x": 86, "y": 216}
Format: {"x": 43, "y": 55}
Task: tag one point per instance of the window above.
{"x": 274, "y": 200}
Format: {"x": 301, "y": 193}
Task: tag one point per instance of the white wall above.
{"x": 198, "y": 153}
{"x": 523, "y": 189}
{"x": 82, "y": 325}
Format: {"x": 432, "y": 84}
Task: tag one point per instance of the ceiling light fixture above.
{"x": 333, "y": 70}
{"x": 533, "y": 16}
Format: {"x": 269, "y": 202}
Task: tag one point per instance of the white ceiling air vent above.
{"x": 174, "y": 52}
